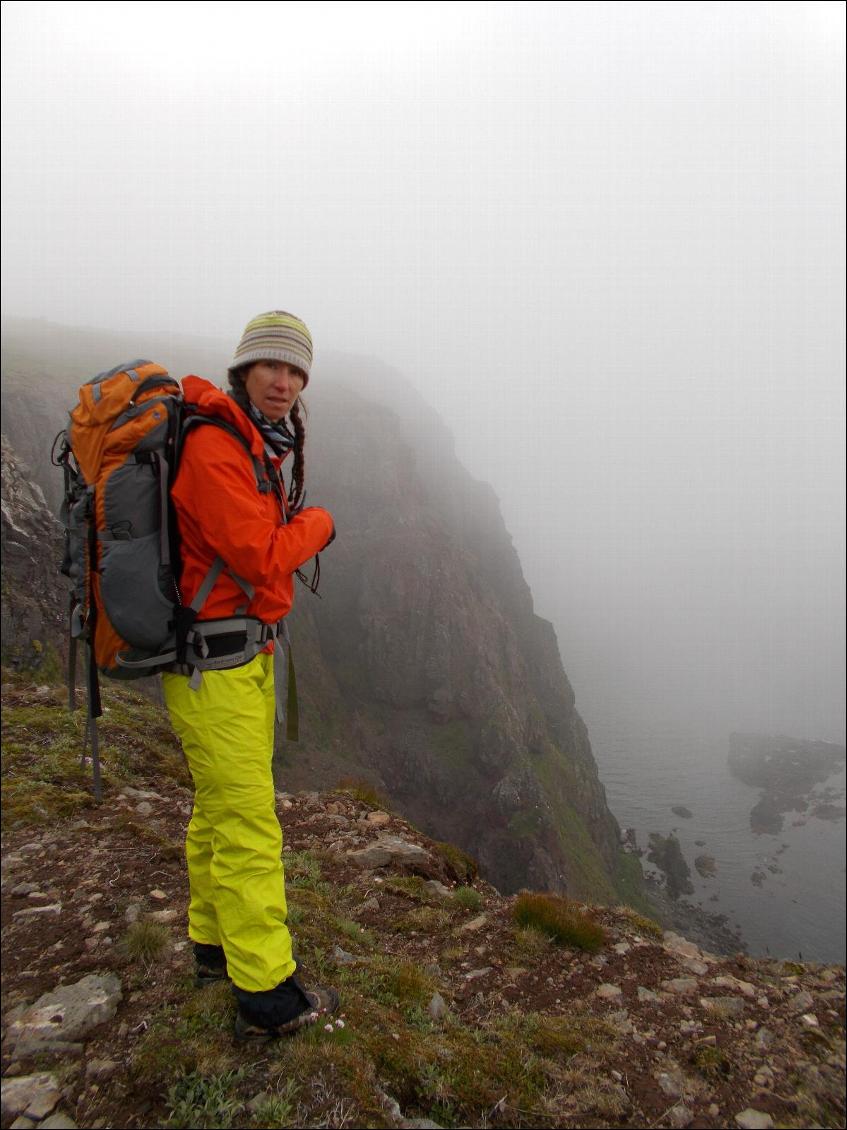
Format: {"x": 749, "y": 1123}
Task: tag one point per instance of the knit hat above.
{"x": 275, "y": 336}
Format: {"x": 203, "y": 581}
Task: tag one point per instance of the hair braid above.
{"x": 297, "y": 491}
{"x": 238, "y": 388}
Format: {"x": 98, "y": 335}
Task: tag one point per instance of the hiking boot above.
{"x": 209, "y": 964}
{"x": 281, "y": 1011}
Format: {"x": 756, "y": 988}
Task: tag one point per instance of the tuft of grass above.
{"x": 560, "y": 919}
{"x": 713, "y": 1062}
{"x": 277, "y": 1111}
{"x": 362, "y": 791}
{"x": 204, "y": 1102}
{"x": 468, "y": 898}
{"x": 145, "y": 941}
{"x": 354, "y": 931}
{"x": 302, "y": 869}
{"x": 462, "y": 867}
{"x": 430, "y": 919}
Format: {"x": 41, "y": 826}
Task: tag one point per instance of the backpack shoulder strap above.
{"x": 259, "y": 469}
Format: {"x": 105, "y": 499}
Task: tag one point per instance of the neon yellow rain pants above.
{"x": 234, "y": 841}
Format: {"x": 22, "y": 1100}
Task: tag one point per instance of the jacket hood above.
{"x": 209, "y": 400}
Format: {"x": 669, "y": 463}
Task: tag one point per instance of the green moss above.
{"x": 467, "y": 898}
{"x": 628, "y": 878}
{"x": 452, "y": 742}
{"x": 588, "y": 877}
{"x": 646, "y": 925}
{"x": 353, "y": 931}
{"x": 411, "y": 887}
{"x": 526, "y": 824}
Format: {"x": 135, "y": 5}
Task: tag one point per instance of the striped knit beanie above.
{"x": 275, "y": 336}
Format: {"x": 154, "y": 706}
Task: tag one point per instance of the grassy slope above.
{"x": 526, "y": 1042}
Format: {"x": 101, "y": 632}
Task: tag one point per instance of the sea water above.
{"x": 784, "y": 893}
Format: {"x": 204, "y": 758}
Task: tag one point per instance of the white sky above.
{"x": 605, "y": 240}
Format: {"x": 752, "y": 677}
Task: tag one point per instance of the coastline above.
{"x": 710, "y": 931}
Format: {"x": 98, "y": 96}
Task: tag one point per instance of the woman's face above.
{"x": 273, "y": 386}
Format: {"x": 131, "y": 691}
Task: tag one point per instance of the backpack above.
{"x": 120, "y": 455}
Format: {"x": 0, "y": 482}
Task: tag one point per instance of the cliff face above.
{"x": 33, "y": 598}
{"x": 423, "y": 667}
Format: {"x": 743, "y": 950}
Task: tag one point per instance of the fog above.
{"x": 605, "y": 241}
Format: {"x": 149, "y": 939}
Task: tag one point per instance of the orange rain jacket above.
{"x": 221, "y": 512}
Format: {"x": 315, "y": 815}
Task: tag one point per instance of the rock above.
{"x": 675, "y": 943}
{"x": 723, "y": 1006}
{"x": 698, "y": 968}
{"x": 419, "y": 1124}
{"x": 163, "y": 915}
{"x": 388, "y": 849}
{"x": 369, "y": 905}
{"x": 764, "y": 1039}
{"x": 437, "y": 888}
{"x": 32, "y": 1095}
{"x": 622, "y": 948}
{"x": 667, "y": 855}
{"x": 258, "y": 1101}
{"x": 99, "y": 1070}
{"x": 673, "y": 1085}
{"x": 144, "y": 808}
{"x": 24, "y": 889}
{"x": 705, "y": 866}
{"x": 23, "y": 1123}
{"x": 810, "y": 1020}
{"x": 475, "y": 973}
{"x": 608, "y": 992}
{"x": 437, "y": 1007}
{"x": 474, "y": 924}
{"x": 684, "y": 986}
{"x": 802, "y": 1002}
{"x": 53, "y": 908}
{"x": 646, "y": 995}
{"x": 378, "y": 819}
{"x": 158, "y": 895}
{"x": 680, "y": 1116}
{"x": 57, "y": 1122}
{"x": 750, "y": 1119}
{"x": 681, "y": 810}
{"x": 342, "y": 957}
{"x": 743, "y": 987}
{"x": 140, "y": 794}
{"x": 66, "y": 1014}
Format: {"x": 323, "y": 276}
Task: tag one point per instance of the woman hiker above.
{"x": 237, "y": 913}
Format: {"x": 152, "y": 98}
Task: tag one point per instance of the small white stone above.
{"x": 750, "y": 1119}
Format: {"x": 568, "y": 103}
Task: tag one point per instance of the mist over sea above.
{"x": 649, "y": 763}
